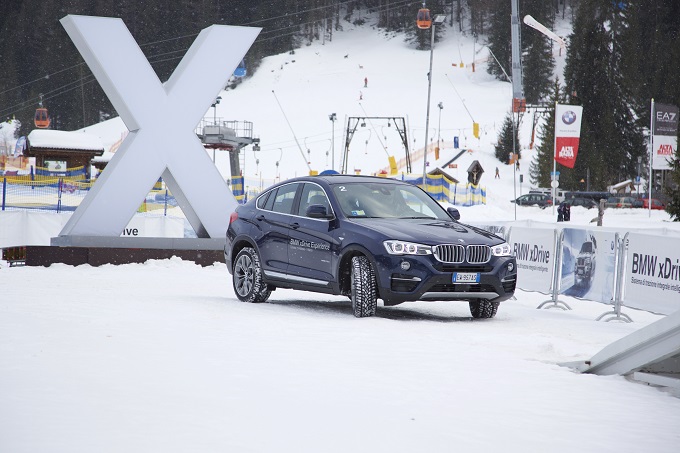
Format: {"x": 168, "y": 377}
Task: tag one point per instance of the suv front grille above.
{"x": 449, "y": 253}
{"x": 453, "y": 253}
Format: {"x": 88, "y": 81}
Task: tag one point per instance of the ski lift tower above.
{"x": 229, "y": 136}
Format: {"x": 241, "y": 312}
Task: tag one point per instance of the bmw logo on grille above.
{"x": 568, "y": 117}
{"x": 462, "y": 241}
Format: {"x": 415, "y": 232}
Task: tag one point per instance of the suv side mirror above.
{"x": 317, "y": 211}
{"x": 453, "y": 212}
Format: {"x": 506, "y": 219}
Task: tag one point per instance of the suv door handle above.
{"x": 260, "y": 217}
{"x": 295, "y": 225}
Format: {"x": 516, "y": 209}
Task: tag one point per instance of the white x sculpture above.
{"x": 161, "y": 119}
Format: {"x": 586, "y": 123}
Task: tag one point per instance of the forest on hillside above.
{"x": 40, "y": 59}
{"x": 621, "y": 54}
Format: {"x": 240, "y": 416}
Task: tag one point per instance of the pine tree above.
{"x": 654, "y": 28}
{"x": 500, "y": 40}
{"x": 611, "y": 140}
{"x": 542, "y": 164}
{"x": 673, "y": 189}
{"x": 504, "y": 147}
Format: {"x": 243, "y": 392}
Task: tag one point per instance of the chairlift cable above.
{"x": 67, "y": 87}
{"x": 461, "y": 99}
{"x": 302, "y": 153}
{"x": 373, "y": 127}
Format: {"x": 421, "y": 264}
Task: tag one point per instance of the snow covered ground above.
{"x": 162, "y": 356}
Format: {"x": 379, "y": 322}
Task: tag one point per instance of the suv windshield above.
{"x": 587, "y": 247}
{"x": 385, "y": 200}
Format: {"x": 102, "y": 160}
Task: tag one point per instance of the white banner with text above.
{"x": 533, "y": 249}
{"x": 652, "y": 276}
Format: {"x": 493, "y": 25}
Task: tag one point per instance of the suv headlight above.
{"x": 407, "y": 248}
{"x": 501, "y": 249}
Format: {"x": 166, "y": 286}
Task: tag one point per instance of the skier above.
{"x": 498, "y": 175}
{"x": 365, "y": 82}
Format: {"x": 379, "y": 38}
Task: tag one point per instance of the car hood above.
{"x": 429, "y": 232}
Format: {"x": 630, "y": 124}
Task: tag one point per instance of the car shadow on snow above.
{"x": 395, "y": 313}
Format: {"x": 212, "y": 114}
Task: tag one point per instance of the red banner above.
{"x": 566, "y": 149}
{"x": 567, "y": 133}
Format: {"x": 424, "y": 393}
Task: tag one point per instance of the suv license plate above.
{"x": 465, "y": 277}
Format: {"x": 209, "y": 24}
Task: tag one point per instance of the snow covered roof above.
{"x": 105, "y": 157}
{"x": 51, "y": 139}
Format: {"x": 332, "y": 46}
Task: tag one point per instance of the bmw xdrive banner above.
{"x": 652, "y": 275}
{"x": 665, "y": 140}
{"x": 588, "y": 264}
{"x": 567, "y": 133}
{"x": 533, "y": 249}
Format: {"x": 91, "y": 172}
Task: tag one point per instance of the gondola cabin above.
{"x": 41, "y": 119}
{"x": 423, "y": 19}
{"x": 240, "y": 70}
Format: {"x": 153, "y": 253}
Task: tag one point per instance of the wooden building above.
{"x": 58, "y": 151}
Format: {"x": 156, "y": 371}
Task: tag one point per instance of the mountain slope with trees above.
{"x": 620, "y": 55}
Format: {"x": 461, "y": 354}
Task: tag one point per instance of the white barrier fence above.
{"x": 20, "y": 228}
{"x": 637, "y": 269}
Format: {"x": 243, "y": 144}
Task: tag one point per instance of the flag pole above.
{"x": 553, "y": 189}
{"x": 651, "y": 156}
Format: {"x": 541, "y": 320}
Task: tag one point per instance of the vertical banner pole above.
{"x": 554, "y": 301}
{"x": 552, "y": 189}
{"x": 619, "y": 271}
{"x": 651, "y": 157}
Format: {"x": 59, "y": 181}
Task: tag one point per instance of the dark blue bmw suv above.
{"x": 367, "y": 238}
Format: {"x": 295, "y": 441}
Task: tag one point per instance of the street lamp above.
{"x": 278, "y": 176}
{"x": 639, "y": 159}
{"x": 332, "y": 117}
{"x": 214, "y": 106}
{"x": 536, "y": 25}
{"x": 438, "y": 20}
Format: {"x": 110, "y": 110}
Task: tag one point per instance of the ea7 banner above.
{"x": 652, "y": 274}
{"x": 567, "y": 133}
{"x": 665, "y": 137}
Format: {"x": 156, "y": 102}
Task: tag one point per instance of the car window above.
{"x": 313, "y": 194}
{"x": 262, "y": 201}
{"x": 587, "y": 247}
{"x": 387, "y": 200}
{"x": 283, "y": 200}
